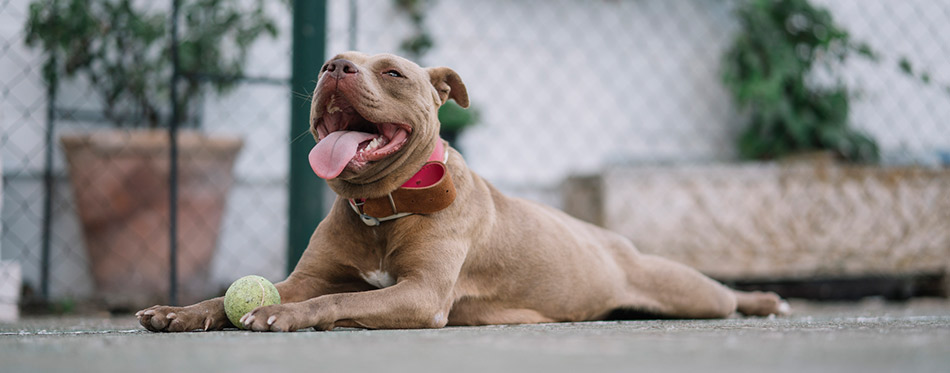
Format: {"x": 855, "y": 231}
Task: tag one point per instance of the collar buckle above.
{"x": 372, "y": 221}
{"x": 369, "y": 220}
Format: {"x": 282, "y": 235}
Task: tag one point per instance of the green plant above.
{"x": 124, "y": 50}
{"x": 769, "y": 69}
{"x": 416, "y": 45}
{"x": 454, "y": 118}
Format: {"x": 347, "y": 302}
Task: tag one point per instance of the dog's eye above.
{"x": 394, "y": 74}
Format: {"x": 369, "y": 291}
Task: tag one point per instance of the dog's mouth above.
{"x": 347, "y": 139}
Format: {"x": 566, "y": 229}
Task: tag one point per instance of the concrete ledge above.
{"x": 773, "y": 220}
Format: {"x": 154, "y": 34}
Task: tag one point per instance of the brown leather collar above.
{"x": 429, "y": 190}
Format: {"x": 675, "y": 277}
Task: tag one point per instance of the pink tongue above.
{"x": 330, "y": 156}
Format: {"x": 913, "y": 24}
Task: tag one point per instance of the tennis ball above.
{"x": 246, "y": 294}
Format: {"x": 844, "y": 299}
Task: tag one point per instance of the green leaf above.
{"x": 865, "y": 50}
{"x": 454, "y": 117}
{"x": 905, "y": 66}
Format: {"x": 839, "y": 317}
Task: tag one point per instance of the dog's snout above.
{"x": 340, "y": 68}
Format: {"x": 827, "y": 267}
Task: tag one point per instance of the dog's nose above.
{"x": 340, "y": 68}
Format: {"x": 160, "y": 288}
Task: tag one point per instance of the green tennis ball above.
{"x": 246, "y": 294}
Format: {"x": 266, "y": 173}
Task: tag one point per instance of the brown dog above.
{"x": 445, "y": 248}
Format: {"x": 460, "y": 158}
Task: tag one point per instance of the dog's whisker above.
{"x": 300, "y": 136}
{"x": 306, "y": 95}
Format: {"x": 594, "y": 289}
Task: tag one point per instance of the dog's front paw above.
{"x": 177, "y": 319}
{"x": 275, "y": 318}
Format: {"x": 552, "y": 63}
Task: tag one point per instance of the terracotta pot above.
{"x": 120, "y": 181}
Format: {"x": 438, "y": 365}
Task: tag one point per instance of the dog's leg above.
{"x": 209, "y": 314}
{"x": 672, "y": 289}
{"x": 406, "y": 305}
{"x": 421, "y": 297}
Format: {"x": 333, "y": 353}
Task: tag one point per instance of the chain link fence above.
{"x": 565, "y": 91}
{"x": 568, "y": 87}
{"x": 231, "y": 221}
{"x": 617, "y": 112}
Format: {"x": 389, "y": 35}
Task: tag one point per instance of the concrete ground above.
{"x": 869, "y": 336}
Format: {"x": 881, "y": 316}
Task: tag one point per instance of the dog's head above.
{"x": 375, "y": 119}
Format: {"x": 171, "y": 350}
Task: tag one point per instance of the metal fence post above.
{"x": 305, "y": 201}
{"x": 173, "y": 170}
{"x": 48, "y": 182}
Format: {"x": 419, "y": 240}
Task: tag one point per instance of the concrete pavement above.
{"x": 869, "y": 336}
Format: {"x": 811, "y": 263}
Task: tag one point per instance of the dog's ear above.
{"x": 449, "y": 85}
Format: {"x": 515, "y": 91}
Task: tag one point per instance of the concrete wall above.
{"x": 777, "y": 220}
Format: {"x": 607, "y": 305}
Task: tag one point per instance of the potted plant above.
{"x": 769, "y": 71}
{"x": 120, "y": 175}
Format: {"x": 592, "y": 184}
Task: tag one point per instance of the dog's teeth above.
{"x": 372, "y": 145}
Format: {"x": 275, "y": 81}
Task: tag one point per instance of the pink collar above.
{"x": 428, "y": 176}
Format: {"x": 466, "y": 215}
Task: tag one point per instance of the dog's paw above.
{"x": 176, "y": 319}
{"x": 275, "y": 318}
{"x": 763, "y": 304}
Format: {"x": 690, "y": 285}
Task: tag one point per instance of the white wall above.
{"x": 567, "y": 86}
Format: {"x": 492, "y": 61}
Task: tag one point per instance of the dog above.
{"x": 415, "y": 239}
